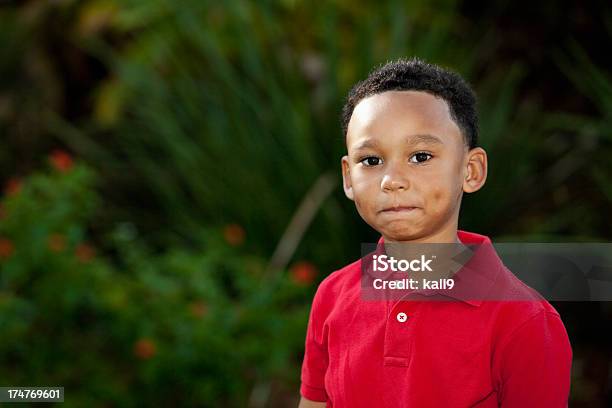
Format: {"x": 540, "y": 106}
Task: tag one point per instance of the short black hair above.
{"x": 416, "y": 75}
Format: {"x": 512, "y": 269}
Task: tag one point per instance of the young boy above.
{"x": 411, "y": 135}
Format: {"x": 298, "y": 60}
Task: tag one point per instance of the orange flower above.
{"x": 234, "y": 234}
{"x": 84, "y": 252}
{"x": 6, "y": 247}
{"x": 198, "y": 308}
{"x": 56, "y": 242}
{"x": 61, "y": 160}
{"x": 145, "y": 349}
{"x": 303, "y": 273}
{"x": 12, "y": 186}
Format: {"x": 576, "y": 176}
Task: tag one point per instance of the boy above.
{"x": 411, "y": 135}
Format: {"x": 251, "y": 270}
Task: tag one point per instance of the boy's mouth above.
{"x": 398, "y": 209}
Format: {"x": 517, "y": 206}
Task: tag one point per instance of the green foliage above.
{"x": 123, "y": 325}
{"x": 230, "y": 113}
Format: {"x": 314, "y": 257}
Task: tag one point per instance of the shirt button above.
{"x": 402, "y": 317}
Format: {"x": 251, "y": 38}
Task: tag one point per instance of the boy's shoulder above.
{"x": 518, "y": 298}
{"x": 334, "y": 287}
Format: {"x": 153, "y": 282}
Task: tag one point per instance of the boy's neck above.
{"x": 445, "y": 254}
{"x": 442, "y": 237}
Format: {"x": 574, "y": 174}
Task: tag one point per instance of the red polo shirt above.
{"x": 467, "y": 352}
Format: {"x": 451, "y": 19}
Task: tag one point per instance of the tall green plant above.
{"x": 230, "y": 113}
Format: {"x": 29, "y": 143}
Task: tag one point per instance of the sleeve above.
{"x": 316, "y": 359}
{"x": 533, "y": 368}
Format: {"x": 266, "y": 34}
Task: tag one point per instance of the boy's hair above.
{"x": 416, "y": 75}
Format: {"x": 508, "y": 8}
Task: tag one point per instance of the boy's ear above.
{"x": 475, "y": 170}
{"x": 346, "y": 178}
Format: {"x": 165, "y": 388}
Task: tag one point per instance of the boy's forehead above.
{"x": 408, "y": 112}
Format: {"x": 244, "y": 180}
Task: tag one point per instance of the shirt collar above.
{"x": 472, "y": 281}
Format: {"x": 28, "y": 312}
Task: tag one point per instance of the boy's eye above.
{"x": 420, "y": 157}
{"x": 371, "y": 161}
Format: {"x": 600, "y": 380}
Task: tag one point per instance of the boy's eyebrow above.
{"x": 423, "y": 138}
{"x": 366, "y": 144}
{"x": 411, "y": 140}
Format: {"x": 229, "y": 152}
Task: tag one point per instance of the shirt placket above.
{"x": 400, "y": 328}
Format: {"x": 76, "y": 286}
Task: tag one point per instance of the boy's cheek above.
{"x": 364, "y": 210}
{"x": 365, "y": 186}
{"x": 361, "y": 212}
{"x": 360, "y": 205}
{"x": 438, "y": 196}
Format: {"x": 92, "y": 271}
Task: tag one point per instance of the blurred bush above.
{"x": 138, "y": 328}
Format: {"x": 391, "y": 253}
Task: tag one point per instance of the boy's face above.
{"x": 408, "y": 166}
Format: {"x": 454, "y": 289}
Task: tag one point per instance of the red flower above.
{"x": 234, "y": 234}
{"x": 84, "y": 252}
{"x": 145, "y": 349}
{"x": 61, "y": 160}
{"x": 6, "y": 247}
{"x": 56, "y": 242}
{"x": 303, "y": 273}
{"x": 12, "y": 186}
{"x": 198, "y": 308}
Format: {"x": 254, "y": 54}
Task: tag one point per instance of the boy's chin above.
{"x": 403, "y": 234}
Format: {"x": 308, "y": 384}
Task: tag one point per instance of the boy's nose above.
{"x": 393, "y": 181}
